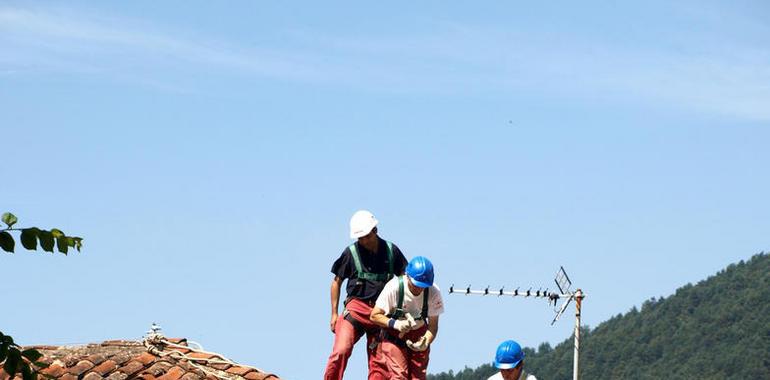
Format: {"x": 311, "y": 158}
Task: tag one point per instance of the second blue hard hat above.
{"x": 420, "y": 270}
{"x": 509, "y": 355}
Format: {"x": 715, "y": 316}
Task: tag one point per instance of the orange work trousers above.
{"x": 346, "y": 335}
{"x": 394, "y": 360}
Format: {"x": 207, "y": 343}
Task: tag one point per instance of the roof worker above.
{"x": 408, "y": 310}
{"x": 367, "y": 265}
{"x": 509, "y": 358}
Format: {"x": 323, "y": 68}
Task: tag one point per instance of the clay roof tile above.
{"x": 92, "y": 376}
{"x": 173, "y": 373}
{"x": 80, "y": 367}
{"x": 131, "y": 367}
{"x": 106, "y": 367}
{"x": 125, "y": 360}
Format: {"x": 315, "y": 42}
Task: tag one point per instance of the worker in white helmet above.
{"x": 367, "y": 265}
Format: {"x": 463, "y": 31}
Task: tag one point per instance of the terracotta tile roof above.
{"x": 164, "y": 359}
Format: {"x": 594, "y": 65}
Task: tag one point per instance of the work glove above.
{"x": 417, "y": 325}
{"x": 404, "y": 325}
{"x": 421, "y": 344}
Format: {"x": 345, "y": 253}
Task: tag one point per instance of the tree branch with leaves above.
{"x": 29, "y": 237}
{"x": 13, "y": 359}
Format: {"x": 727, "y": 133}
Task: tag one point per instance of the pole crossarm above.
{"x": 564, "y": 283}
{"x": 514, "y": 293}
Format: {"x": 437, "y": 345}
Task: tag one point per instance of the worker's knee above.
{"x": 344, "y": 337}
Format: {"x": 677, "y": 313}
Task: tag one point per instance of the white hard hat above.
{"x": 361, "y": 223}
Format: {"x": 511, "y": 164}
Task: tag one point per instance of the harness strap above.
{"x": 399, "y": 312}
{"x": 357, "y": 325}
{"x": 363, "y": 274}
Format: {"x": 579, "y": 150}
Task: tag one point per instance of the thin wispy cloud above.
{"x": 449, "y": 60}
{"x": 113, "y": 44}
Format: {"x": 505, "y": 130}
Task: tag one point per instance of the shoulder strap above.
{"x": 390, "y": 259}
{"x": 398, "y": 312}
{"x": 362, "y": 274}
{"x": 425, "y": 296}
{"x": 356, "y": 258}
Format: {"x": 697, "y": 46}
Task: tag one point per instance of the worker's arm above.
{"x": 401, "y": 325}
{"x": 378, "y": 317}
{"x": 336, "y": 285}
{"x": 433, "y": 329}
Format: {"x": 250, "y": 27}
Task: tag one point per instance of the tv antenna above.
{"x": 564, "y": 284}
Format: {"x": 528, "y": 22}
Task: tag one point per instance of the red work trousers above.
{"x": 346, "y": 335}
{"x": 394, "y": 360}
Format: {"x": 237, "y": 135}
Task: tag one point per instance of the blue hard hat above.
{"x": 420, "y": 270}
{"x": 509, "y": 355}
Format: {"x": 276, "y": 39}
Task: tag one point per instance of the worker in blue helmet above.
{"x": 408, "y": 310}
{"x": 509, "y": 358}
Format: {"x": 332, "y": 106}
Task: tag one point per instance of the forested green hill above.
{"x": 717, "y": 329}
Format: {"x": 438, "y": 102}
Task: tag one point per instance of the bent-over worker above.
{"x": 408, "y": 309}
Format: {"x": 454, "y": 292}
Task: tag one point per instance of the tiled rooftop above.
{"x": 163, "y": 359}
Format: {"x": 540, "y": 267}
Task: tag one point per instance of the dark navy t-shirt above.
{"x": 345, "y": 268}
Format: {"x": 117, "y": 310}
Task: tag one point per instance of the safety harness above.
{"x": 363, "y": 274}
{"x": 399, "y": 312}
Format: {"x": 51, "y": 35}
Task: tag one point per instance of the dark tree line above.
{"x": 716, "y": 329}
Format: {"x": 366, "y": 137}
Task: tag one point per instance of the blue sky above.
{"x": 211, "y": 157}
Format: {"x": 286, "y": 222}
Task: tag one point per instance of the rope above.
{"x": 154, "y": 342}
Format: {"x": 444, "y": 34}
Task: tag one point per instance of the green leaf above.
{"x": 6, "y": 241}
{"x": 61, "y": 243}
{"x": 31, "y": 354}
{"x": 78, "y": 242}
{"x": 12, "y": 362}
{"x": 26, "y": 373}
{"x": 7, "y": 339}
{"x": 3, "y": 351}
{"x": 9, "y": 219}
{"x": 46, "y": 240}
{"x": 29, "y": 238}
{"x": 57, "y": 233}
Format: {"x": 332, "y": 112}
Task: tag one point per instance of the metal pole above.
{"x": 575, "y": 366}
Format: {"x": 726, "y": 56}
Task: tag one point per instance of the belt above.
{"x": 384, "y": 335}
{"x": 370, "y": 302}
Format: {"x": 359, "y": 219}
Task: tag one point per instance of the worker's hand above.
{"x": 421, "y": 344}
{"x": 404, "y": 325}
{"x": 416, "y": 325}
{"x": 333, "y": 322}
